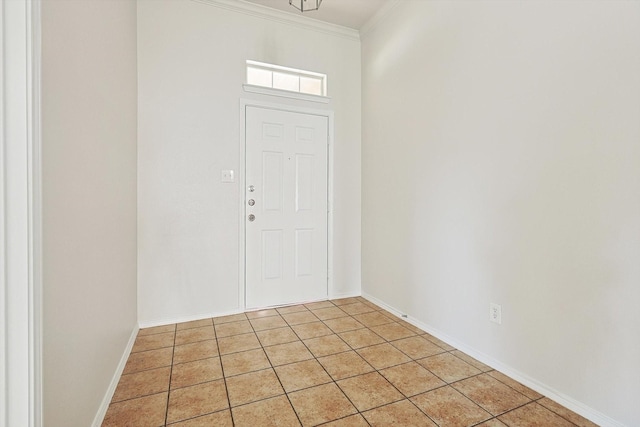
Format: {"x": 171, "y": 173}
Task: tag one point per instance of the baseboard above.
{"x": 339, "y": 295}
{"x": 180, "y": 319}
{"x": 564, "y": 400}
{"x": 171, "y": 320}
{"x": 106, "y": 400}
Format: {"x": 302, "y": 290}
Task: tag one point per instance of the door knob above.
{"x": 252, "y": 217}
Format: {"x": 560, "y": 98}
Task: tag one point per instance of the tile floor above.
{"x": 335, "y": 363}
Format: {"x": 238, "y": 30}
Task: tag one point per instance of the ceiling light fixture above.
{"x": 305, "y": 5}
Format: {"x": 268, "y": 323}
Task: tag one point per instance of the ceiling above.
{"x": 348, "y": 13}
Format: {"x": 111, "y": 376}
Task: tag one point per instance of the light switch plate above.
{"x": 228, "y": 176}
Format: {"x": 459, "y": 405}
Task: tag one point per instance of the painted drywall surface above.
{"x": 191, "y": 70}
{"x": 501, "y": 163}
{"x": 89, "y": 201}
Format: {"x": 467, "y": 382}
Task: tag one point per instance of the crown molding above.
{"x": 380, "y": 16}
{"x": 259, "y": 11}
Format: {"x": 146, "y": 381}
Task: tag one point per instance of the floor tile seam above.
{"x": 512, "y": 388}
{"x": 348, "y": 398}
{"x": 144, "y": 370}
{"x": 387, "y": 367}
{"x": 438, "y": 388}
{"x": 297, "y": 334}
{"x": 391, "y": 403}
{"x": 318, "y": 362}
{"x": 317, "y": 336}
{"x": 173, "y": 352}
{"x": 196, "y": 383}
{"x": 285, "y": 392}
{"x": 227, "y": 322}
{"x": 387, "y": 380}
{"x": 469, "y": 399}
{"x": 263, "y": 350}
{"x": 138, "y": 396}
{"x": 233, "y": 335}
{"x": 264, "y": 317}
{"x": 253, "y": 372}
{"x": 377, "y": 324}
{"x": 345, "y": 417}
{"x": 149, "y": 349}
{"x": 149, "y": 334}
{"x": 390, "y": 383}
{"x": 445, "y": 381}
{"x": 331, "y": 318}
{"x": 273, "y": 368}
{"x": 212, "y": 326}
{"x": 291, "y": 312}
{"x": 273, "y": 345}
{"x": 372, "y": 408}
{"x": 423, "y": 412}
{"x": 198, "y": 360}
{"x": 196, "y": 341}
{"x": 551, "y": 410}
{"x": 484, "y": 421}
{"x": 451, "y": 352}
{"x": 332, "y": 354}
{"x": 268, "y": 329}
{"x": 323, "y": 336}
{"x": 291, "y": 325}
{"x": 529, "y": 400}
{"x": 340, "y": 332}
{"x": 224, "y": 379}
{"x": 240, "y": 351}
{"x": 194, "y": 327}
{"x": 369, "y": 345}
{"x": 511, "y": 410}
{"x": 411, "y": 357}
{"x": 529, "y": 403}
{"x": 333, "y": 380}
{"x": 200, "y": 416}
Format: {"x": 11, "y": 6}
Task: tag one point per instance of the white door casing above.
{"x": 286, "y": 242}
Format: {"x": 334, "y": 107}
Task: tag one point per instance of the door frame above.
{"x": 20, "y": 215}
{"x": 244, "y": 103}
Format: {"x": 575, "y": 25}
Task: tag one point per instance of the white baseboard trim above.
{"x": 340, "y": 295}
{"x": 564, "y": 400}
{"x": 180, "y": 319}
{"x": 171, "y": 320}
{"x": 106, "y": 400}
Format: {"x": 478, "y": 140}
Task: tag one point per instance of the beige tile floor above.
{"x": 336, "y": 363}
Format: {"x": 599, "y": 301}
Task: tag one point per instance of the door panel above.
{"x": 286, "y": 242}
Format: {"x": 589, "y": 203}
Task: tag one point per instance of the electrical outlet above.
{"x": 495, "y": 313}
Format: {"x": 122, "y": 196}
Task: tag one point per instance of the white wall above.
{"x": 501, "y": 163}
{"x": 191, "y": 67}
{"x": 89, "y": 201}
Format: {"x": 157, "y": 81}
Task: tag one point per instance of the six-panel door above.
{"x": 286, "y": 207}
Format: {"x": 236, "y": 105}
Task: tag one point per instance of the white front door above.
{"x": 286, "y": 207}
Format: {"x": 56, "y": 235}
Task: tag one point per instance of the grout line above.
{"x": 277, "y": 376}
{"x": 173, "y": 351}
{"x": 224, "y": 377}
{"x": 375, "y": 310}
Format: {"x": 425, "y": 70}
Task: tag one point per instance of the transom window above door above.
{"x": 284, "y": 78}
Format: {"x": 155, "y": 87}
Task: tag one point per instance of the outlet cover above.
{"x": 495, "y": 313}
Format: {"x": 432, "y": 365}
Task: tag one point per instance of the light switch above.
{"x": 228, "y": 176}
